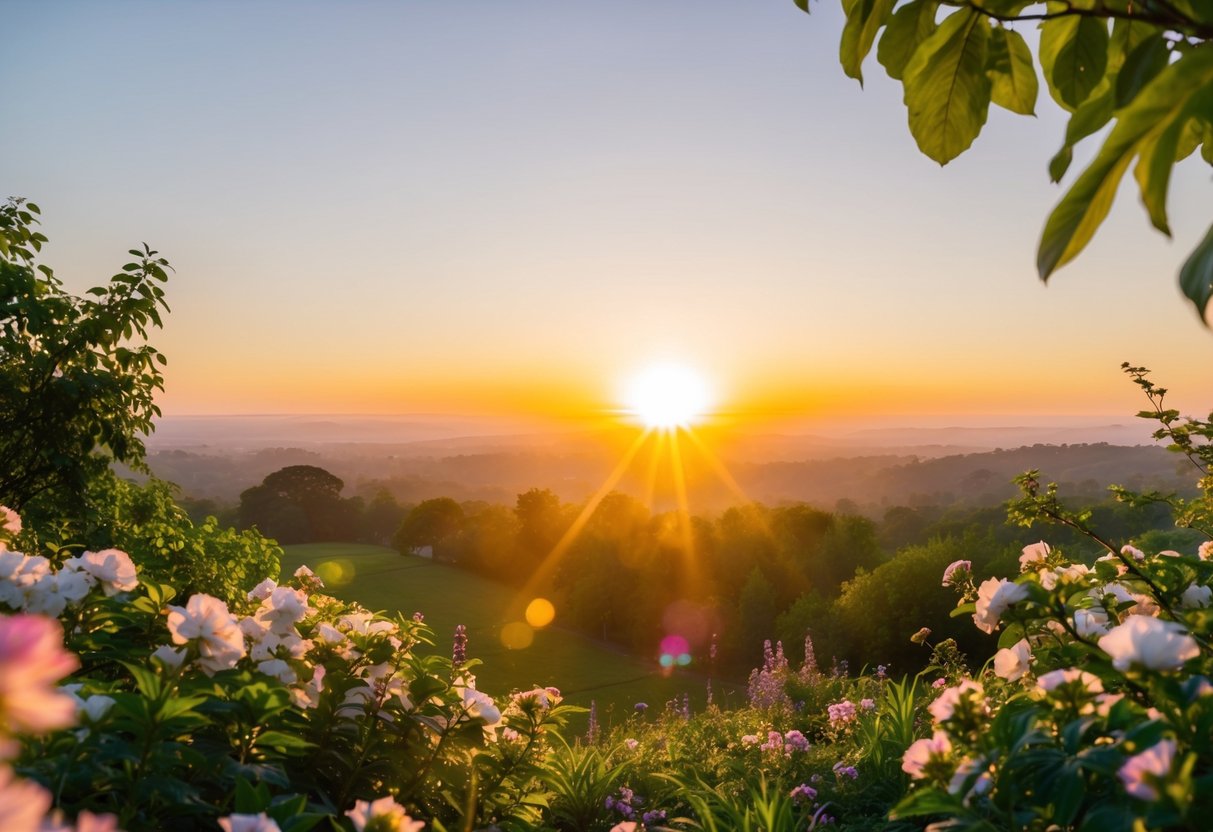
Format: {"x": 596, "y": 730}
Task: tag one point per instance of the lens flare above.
{"x": 540, "y": 613}
{"x": 517, "y": 635}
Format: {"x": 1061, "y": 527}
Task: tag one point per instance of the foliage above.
{"x": 76, "y": 381}
{"x": 1097, "y": 712}
{"x": 289, "y": 702}
{"x": 300, "y": 504}
{"x": 430, "y": 523}
{"x": 1144, "y": 68}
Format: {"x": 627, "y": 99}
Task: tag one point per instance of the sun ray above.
{"x": 684, "y": 508}
{"x": 650, "y": 482}
{"x": 552, "y": 560}
{"x": 718, "y": 468}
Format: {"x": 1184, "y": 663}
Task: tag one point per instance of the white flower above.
{"x": 1205, "y": 552}
{"x": 308, "y": 696}
{"x": 1056, "y": 678}
{"x": 262, "y": 590}
{"x": 1013, "y": 663}
{"x": 1132, "y": 552}
{"x": 206, "y": 619}
{"x": 112, "y": 567}
{"x": 385, "y": 813}
{"x": 921, "y": 753}
{"x": 55, "y": 591}
{"x": 279, "y": 669}
{"x": 1034, "y": 554}
{"x": 328, "y": 634}
{"x": 1196, "y": 596}
{"x": 993, "y": 598}
{"x": 249, "y": 823}
{"x": 1141, "y": 771}
{"x": 479, "y": 705}
{"x": 94, "y": 707}
{"x": 1090, "y": 623}
{"x": 283, "y": 609}
{"x": 18, "y": 574}
{"x": 1150, "y": 642}
{"x": 171, "y": 658}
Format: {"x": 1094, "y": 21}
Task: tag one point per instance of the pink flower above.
{"x": 1149, "y": 642}
{"x": 1013, "y": 663}
{"x": 968, "y": 694}
{"x": 939, "y": 683}
{"x": 386, "y": 813}
{"x": 867, "y": 704}
{"x": 10, "y": 526}
{"x": 113, "y": 568}
{"x": 249, "y": 823}
{"x": 841, "y": 712}
{"x": 205, "y": 619}
{"x": 85, "y": 822}
{"x": 625, "y": 826}
{"x": 993, "y": 597}
{"x": 1141, "y": 772}
{"x": 966, "y": 770}
{"x": 23, "y": 804}
{"x": 957, "y": 572}
{"x": 32, "y": 660}
{"x": 922, "y": 753}
{"x": 262, "y": 590}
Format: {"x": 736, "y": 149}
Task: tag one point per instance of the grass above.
{"x": 584, "y": 670}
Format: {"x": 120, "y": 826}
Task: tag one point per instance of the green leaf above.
{"x": 1074, "y": 56}
{"x": 1012, "y": 74}
{"x": 283, "y": 741}
{"x": 1141, "y": 65}
{"x": 1169, "y": 97}
{"x": 864, "y": 19}
{"x": 1087, "y": 120}
{"x": 907, "y": 29}
{"x": 1196, "y": 276}
{"x": 947, "y": 90}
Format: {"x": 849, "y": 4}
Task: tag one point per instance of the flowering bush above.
{"x": 270, "y": 713}
{"x": 1097, "y": 710}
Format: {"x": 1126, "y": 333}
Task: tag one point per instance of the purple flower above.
{"x": 653, "y": 816}
{"x": 641, "y": 707}
{"x": 842, "y": 771}
{"x": 459, "y": 650}
{"x": 803, "y": 792}
{"x": 796, "y": 741}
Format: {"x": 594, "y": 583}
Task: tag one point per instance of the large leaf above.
{"x": 1012, "y": 74}
{"x": 1141, "y": 65}
{"x": 1170, "y": 97}
{"x": 1087, "y": 120}
{"x": 907, "y": 29}
{"x": 1196, "y": 276}
{"x": 947, "y": 90}
{"x": 1074, "y": 57}
{"x": 864, "y": 19}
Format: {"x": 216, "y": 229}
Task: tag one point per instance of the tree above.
{"x": 299, "y": 504}
{"x": 1143, "y": 66}
{"x": 76, "y": 380}
{"x": 431, "y": 523}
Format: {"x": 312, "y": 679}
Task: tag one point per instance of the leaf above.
{"x": 1072, "y": 58}
{"x": 907, "y": 29}
{"x": 1013, "y": 76}
{"x": 1141, "y": 65}
{"x": 283, "y": 741}
{"x": 1081, "y": 61}
{"x": 1087, "y": 120}
{"x": 1165, "y": 99}
{"x": 947, "y": 91}
{"x": 864, "y": 19}
{"x": 1196, "y": 276}
{"x": 803, "y": 4}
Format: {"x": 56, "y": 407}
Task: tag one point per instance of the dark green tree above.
{"x": 299, "y": 504}
{"x": 77, "y": 379}
{"x": 434, "y": 523}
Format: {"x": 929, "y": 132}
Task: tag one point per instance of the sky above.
{"x": 510, "y": 208}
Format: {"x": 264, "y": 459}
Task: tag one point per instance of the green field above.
{"x": 584, "y": 670}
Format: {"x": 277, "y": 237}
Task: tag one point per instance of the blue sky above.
{"x": 508, "y": 207}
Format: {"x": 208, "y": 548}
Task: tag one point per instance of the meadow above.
{"x": 585, "y": 671}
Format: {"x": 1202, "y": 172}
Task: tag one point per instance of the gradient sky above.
{"x": 509, "y": 207}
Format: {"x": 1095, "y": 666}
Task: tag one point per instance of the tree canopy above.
{"x": 1144, "y": 67}
{"x": 76, "y": 380}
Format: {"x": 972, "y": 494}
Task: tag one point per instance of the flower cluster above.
{"x": 29, "y": 583}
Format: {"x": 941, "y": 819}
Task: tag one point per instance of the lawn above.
{"x": 584, "y": 670}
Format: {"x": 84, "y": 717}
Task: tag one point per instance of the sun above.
{"x": 668, "y": 396}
